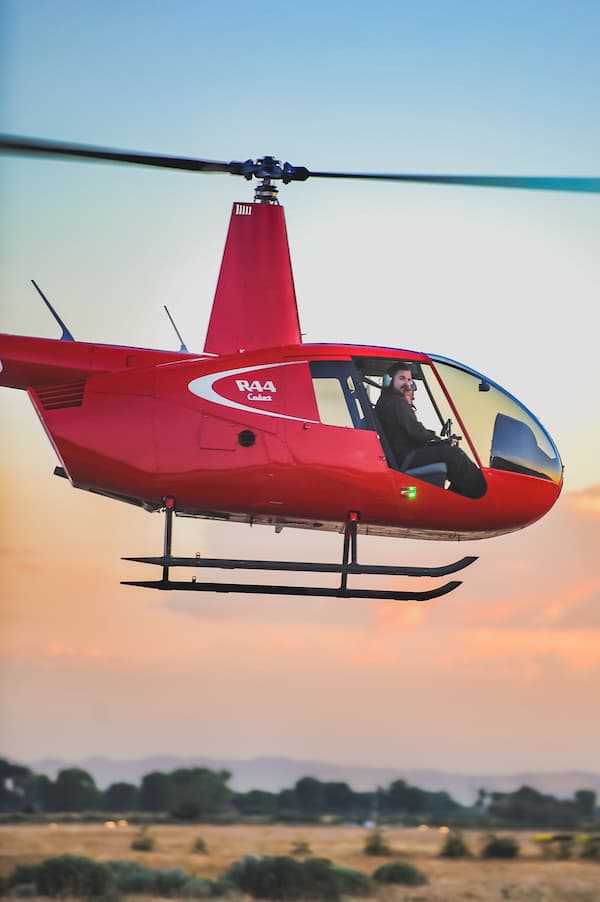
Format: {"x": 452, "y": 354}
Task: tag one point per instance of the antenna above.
{"x": 183, "y": 345}
{"x": 66, "y": 335}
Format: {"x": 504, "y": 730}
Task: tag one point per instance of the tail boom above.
{"x": 27, "y": 362}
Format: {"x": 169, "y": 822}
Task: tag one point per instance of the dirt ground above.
{"x": 527, "y": 879}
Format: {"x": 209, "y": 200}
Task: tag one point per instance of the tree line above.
{"x": 198, "y": 792}
{"x": 527, "y": 806}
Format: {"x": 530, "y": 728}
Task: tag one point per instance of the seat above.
{"x": 435, "y": 473}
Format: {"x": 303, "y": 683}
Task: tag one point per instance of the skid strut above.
{"x": 348, "y": 566}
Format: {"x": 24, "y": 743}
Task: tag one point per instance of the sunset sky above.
{"x": 502, "y": 675}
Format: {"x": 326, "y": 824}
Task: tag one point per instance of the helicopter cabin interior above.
{"x": 495, "y": 429}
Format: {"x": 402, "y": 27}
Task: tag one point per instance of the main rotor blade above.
{"x": 535, "y": 183}
{"x": 268, "y": 167}
{"x": 37, "y": 147}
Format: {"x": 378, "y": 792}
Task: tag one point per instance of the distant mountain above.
{"x": 274, "y": 774}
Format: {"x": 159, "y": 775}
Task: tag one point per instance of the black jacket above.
{"x": 400, "y": 425}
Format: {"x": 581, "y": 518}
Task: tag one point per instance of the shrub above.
{"x": 400, "y": 872}
{"x": 143, "y": 841}
{"x": 591, "y": 848}
{"x": 352, "y": 883}
{"x": 544, "y": 841}
{"x": 25, "y": 890}
{"x": 196, "y": 888}
{"x": 131, "y": 877}
{"x": 222, "y": 887}
{"x": 268, "y": 878}
{"x": 376, "y": 844}
{"x": 283, "y": 878}
{"x": 71, "y": 875}
{"x": 300, "y": 847}
{"x": 171, "y": 882}
{"x": 500, "y": 847}
{"x": 24, "y": 873}
{"x": 566, "y": 846}
{"x": 562, "y": 845}
{"x": 455, "y": 846}
{"x": 199, "y": 846}
{"x": 322, "y": 880}
{"x": 559, "y": 846}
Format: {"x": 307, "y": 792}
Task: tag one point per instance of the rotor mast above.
{"x": 266, "y": 192}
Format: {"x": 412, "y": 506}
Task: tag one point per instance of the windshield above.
{"x": 505, "y": 435}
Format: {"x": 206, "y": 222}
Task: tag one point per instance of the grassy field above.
{"x": 526, "y": 879}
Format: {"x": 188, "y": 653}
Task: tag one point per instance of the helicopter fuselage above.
{"x": 286, "y": 436}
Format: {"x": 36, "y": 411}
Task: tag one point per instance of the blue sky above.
{"x": 439, "y": 85}
{"x": 507, "y": 282}
{"x": 463, "y": 87}
{"x": 403, "y": 76}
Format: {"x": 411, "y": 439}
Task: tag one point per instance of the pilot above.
{"x": 409, "y": 395}
{"x": 415, "y": 446}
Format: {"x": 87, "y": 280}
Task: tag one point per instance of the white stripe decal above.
{"x": 203, "y": 388}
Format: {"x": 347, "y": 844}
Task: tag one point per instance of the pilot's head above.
{"x": 399, "y": 378}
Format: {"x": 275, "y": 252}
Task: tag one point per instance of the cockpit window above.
{"x": 333, "y": 409}
{"x": 339, "y": 394}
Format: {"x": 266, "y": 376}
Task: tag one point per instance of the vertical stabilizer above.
{"x": 255, "y": 301}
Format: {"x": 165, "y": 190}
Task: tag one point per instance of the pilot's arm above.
{"x": 406, "y": 422}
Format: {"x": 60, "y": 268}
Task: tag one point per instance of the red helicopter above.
{"x": 261, "y": 428}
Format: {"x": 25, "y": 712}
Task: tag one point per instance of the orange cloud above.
{"x": 587, "y": 501}
{"x": 574, "y": 597}
{"x": 56, "y": 650}
{"x": 579, "y": 650}
{"x": 59, "y": 650}
{"x": 398, "y": 616}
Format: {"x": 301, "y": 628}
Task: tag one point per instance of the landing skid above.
{"x": 349, "y": 566}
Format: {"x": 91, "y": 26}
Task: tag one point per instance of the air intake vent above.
{"x": 55, "y": 397}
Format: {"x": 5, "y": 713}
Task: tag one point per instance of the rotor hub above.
{"x": 268, "y": 170}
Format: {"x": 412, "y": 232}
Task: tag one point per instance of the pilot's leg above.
{"x": 465, "y": 477}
